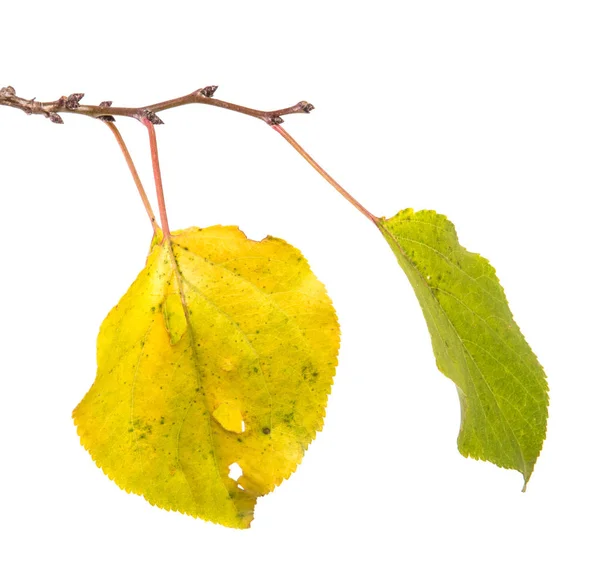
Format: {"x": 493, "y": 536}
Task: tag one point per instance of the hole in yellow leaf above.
{"x": 235, "y": 471}
{"x": 229, "y": 417}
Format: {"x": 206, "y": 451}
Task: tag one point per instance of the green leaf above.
{"x": 477, "y": 344}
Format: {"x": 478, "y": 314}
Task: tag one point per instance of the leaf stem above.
{"x": 313, "y": 163}
{"x": 134, "y": 174}
{"x": 160, "y": 196}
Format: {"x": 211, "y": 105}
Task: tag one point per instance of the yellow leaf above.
{"x": 222, "y": 352}
{"x": 174, "y": 315}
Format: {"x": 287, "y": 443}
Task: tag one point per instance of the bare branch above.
{"x": 105, "y": 111}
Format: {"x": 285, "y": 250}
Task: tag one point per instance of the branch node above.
{"x": 148, "y": 115}
{"x": 106, "y": 117}
{"x": 30, "y": 107}
{"x": 209, "y": 90}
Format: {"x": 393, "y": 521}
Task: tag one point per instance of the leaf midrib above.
{"x": 196, "y": 358}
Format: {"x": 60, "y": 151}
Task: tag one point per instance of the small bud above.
{"x": 276, "y": 120}
{"x": 150, "y": 116}
{"x": 7, "y": 91}
{"x": 106, "y": 104}
{"x": 209, "y": 90}
{"x": 54, "y": 117}
{"x": 154, "y": 118}
{"x": 72, "y": 102}
{"x": 306, "y": 107}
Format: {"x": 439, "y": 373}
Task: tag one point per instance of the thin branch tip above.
{"x": 306, "y": 107}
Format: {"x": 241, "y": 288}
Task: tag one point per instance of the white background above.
{"x": 488, "y": 112}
